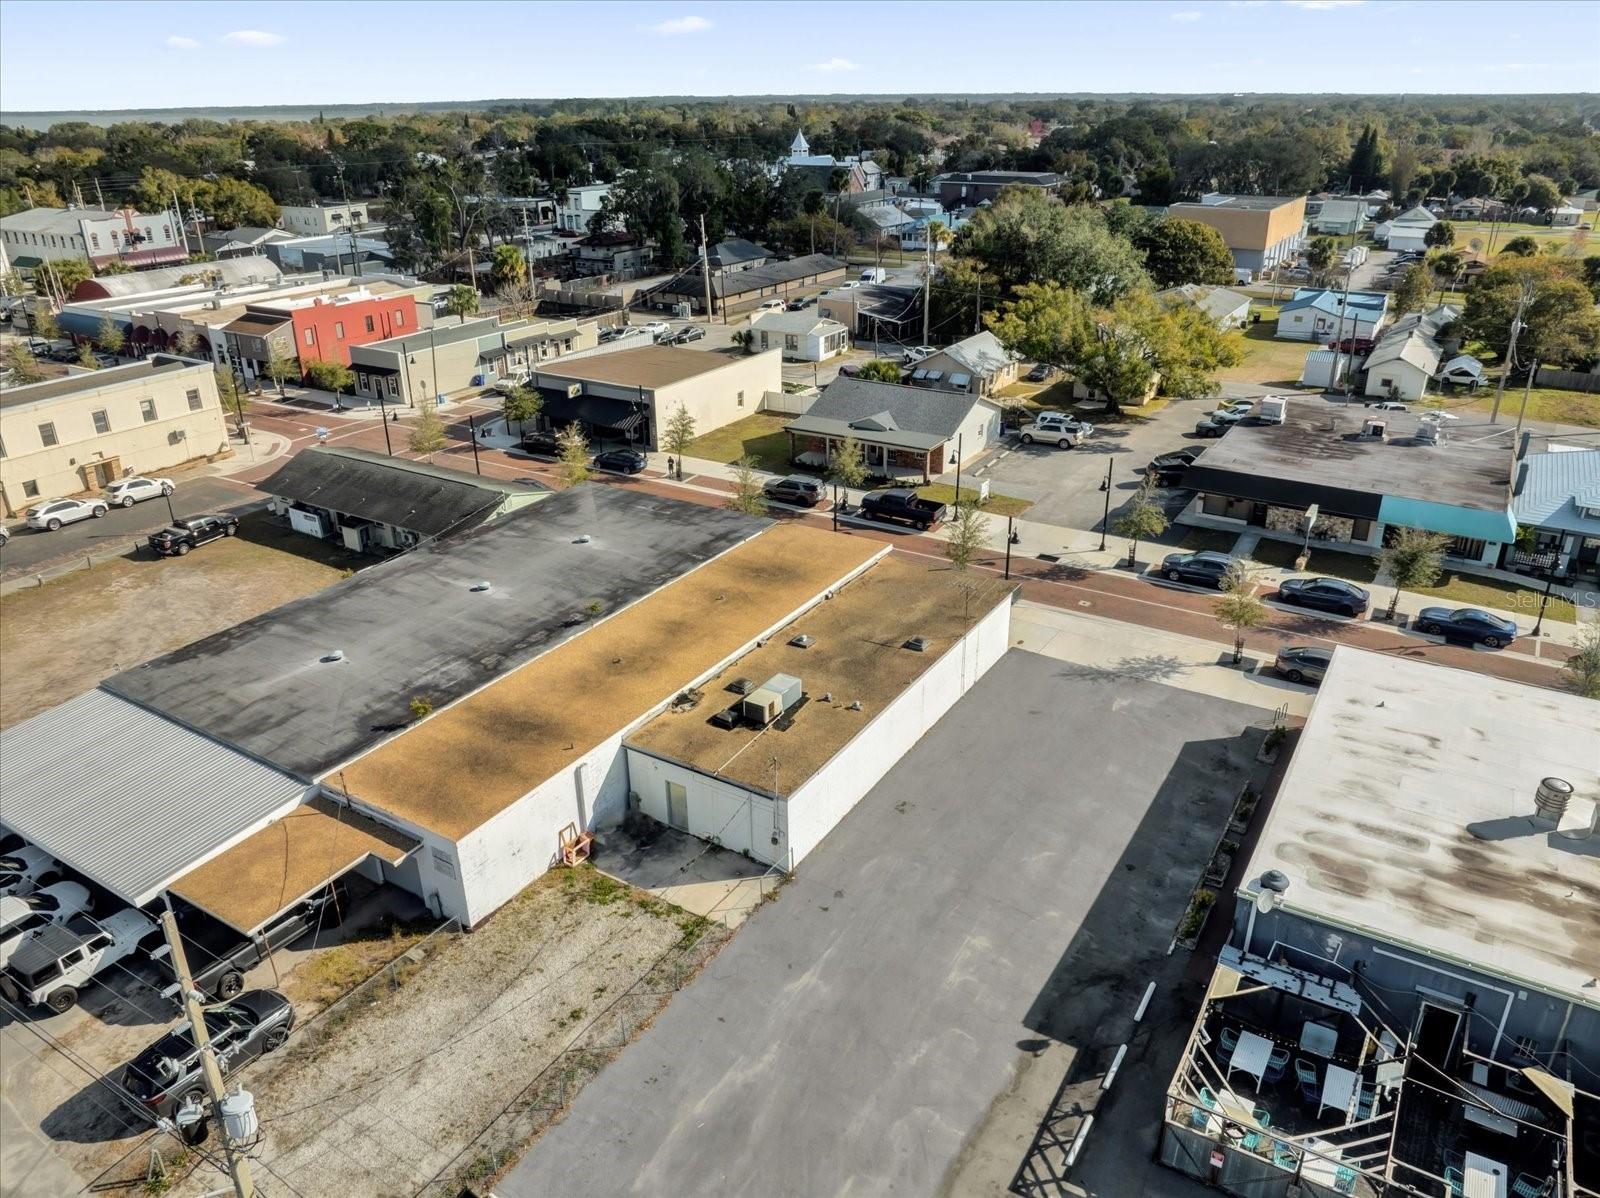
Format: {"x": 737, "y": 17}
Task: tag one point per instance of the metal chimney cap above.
{"x": 485, "y": 585}
{"x": 332, "y": 655}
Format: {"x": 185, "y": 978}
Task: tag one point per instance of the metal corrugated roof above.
{"x": 127, "y": 797}
{"x": 1556, "y": 487}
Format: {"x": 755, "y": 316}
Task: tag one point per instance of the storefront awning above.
{"x": 597, "y": 411}
{"x": 269, "y": 871}
{"x": 363, "y": 368}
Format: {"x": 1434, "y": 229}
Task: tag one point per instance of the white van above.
{"x": 875, "y": 274}
{"x": 1273, "y": 409}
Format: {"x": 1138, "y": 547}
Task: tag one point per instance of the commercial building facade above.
{"x": 133, "y": 238}
{"x": 315, "y": 220}
{"x": 1260, "y": 231}
{"x": 908, "y": 433}
{"x": 85, "y": 431}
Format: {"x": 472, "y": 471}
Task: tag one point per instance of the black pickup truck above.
{"x": 903, "y": 504}
{"x": 219, "y": 956}
{"x": 183, "y": 535}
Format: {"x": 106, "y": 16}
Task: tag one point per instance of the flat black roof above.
{"x": 1320, "y": 444}
{"x": 414, "y": 627}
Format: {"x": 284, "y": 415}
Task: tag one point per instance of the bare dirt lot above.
{"x": 63, "y": 638}
{"x": 437, "y": 1076}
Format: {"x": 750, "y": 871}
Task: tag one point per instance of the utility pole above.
{"x": 1522, "y": 413}
{"x": 100, "y": 199}
{"x": 527, "y": 251}
{"x": 927, "y": 286}
{"x": 705, "y": 264}
{"x": 472, "y": 432}
{"x": 178, "y": 207}
{"x": 1511, "y": 350}
{"x": 238, "y": 1162}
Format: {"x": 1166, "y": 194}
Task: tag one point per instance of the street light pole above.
{"x": 1549, "y": 582}
{"x": 383, "y": 418}
{"x": 472, "y": 431}
{"x": 958, "y": 471}
{"x": 1106, "y": 519}
{"x": 1011, "y": 539}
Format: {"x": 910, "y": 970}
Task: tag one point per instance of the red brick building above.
{"x": 325, "y": 327}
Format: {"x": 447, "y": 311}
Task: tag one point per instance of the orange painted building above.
{"x": 325, "y": 327}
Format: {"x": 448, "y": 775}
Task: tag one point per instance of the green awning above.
{"x": 27, "y": 260}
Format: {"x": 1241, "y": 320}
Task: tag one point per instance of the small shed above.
{"x": 1324, "y": 368}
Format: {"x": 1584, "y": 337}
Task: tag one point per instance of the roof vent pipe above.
{"x": 333, "y": 655}
{"x": 1550, "y": 800}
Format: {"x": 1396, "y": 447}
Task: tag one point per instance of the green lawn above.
{"x": 1267, "y": 360}
{"x": 1522, "y": 601}
{"x": 1352, "y": 566}
{"x": 996, "y": 505}
{"x": 760, "y": 437}
{"x": 1466, "y": 232}
{"x": 1217, "y": 541}
{"x": 1544, "y": 403}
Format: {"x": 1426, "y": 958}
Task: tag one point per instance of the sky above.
{"x": 224, "y": 54}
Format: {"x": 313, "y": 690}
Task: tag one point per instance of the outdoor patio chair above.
{"x": 1283, "y": 1156}
{"x": 1230, "y": 1041}
{"x": 1277, "y": 1064}
{"x": 1198, "y": 1118}
{"x": 1208, "y": 1099}
{"x": 1310, "y": 1086}
{"x": 1344, "y": 1180}
{"x": 1364, "y": 1103}
{"x": 1253, "y": 1140}
{"x": 1528, "y": 1186}
{"x": 1454, "y": 1158}
{"x": 1453, "y": 1179}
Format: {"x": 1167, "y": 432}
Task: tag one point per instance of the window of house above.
{"x": 791, "y": 341}
{"x": 370, "y": 325}
{"x": 30, "y": 489}
{"x": 193, "y": 395}
{"x": 102, "y": 423}
{"x": 394, "y": 386}
{"x": 147, "y": 409}
{"x": 311, "y": 337}
{"x": 47, "y": 434}
{"x": 338, "y": 329}
{"x": 95, "y": 238}
{"x": 741, "y": 399}
{"x": 399, "y": 320}
{"x": 1385, "y": 383}
{"x": 166, "y": 232}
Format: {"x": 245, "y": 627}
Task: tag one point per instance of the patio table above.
{"x": 1250, "y": 1056}
{"x": 1483, "y": 1177}
{"x": 1338, "y": 1090}
{"x": 1318, "y": 1038}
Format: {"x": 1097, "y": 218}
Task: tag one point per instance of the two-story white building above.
{"x": 579, "y": 205}
{"x": 315, "y": 220}
{"x": 41, "y": 235}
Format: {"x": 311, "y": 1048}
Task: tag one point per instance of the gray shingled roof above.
{"x": 886, "y": 413}
{"x": 1554, "y": 487}
{"x": 397, "y": 491}
{"x": 980, "y": 354}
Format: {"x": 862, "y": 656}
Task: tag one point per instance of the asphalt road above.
{"x": 29, "y": 549}
{"x": 857, "y": 1031}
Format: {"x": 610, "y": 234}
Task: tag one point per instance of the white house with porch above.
{"x": 904, "y": 432}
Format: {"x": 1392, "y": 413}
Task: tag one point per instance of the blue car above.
{"x": 1470, "y": 624}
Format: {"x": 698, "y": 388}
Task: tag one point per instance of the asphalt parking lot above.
{"x": 856, "y": 1034}
{"x": 1064, "y": 485}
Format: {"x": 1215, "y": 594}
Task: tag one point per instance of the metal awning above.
{"x": 363, "y": 368}
{"x": 597, "y": 411}
{"x": 251, "y": 883}
{"x": 129, "y": 798}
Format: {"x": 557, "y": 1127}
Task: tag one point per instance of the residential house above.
{"x": 578, "y": 207}
{"x": 85, "y": 431}
{"x": 615, "y": 252}
{"x": 908, "y": 433}
{"x": 1408, "y": 355}
{"x": 134, "y": 239}
{"x": 1366, "y": 472}
{"x": 241, "y": 242}
{"x": 372, "y": 502}
{"x": 1479, "y": 209}
{"x": 1340, "y": 218}
{"x": 629, "y": 395}
{"x": 1409, "y": 230}
{"x": 336, "y": 253}
{"x": 968, "y": 189}
{"x": 1585, "y": 201}
{"x": 876, "y": 311}
{"x": 741, "y": 290}
{"x": 1566, "y": 216}
{"x": 1227, "y": 309}
{"x": 318, "y": 220}
{"x": 915, "y": 235}
{"x": 1260, "y": 231}
{"x": 1325, "y": 314}
{"x": 804, "y": 336}
{"x": 1557, "y": 495}
{"x": 1353, "y": 1040}
{"x": 978, "y": 365}
{"x": 736, "y": 254}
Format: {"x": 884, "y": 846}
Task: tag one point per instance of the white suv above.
{"x": 21, "y": 916}
{"x": 1058, "y": 428}
{"x": 126, "y": 492}
{"x": 656, "y": 328}
{"x": 53, "y": 513}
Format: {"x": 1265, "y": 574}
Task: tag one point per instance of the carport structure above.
{"x": 142, "y": 805}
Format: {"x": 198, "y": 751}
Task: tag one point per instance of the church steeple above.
{"x": 798, "y": 147}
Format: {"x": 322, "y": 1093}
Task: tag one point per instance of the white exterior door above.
{"x": 678, "y": 806}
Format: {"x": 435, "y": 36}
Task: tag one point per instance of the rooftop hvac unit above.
{"x": 742, "y": 686}
{"x": 803, "y": 641}
{"x": 727, "y": 718}
{"x": 917, "y": 644}
{"x": 761, "y": 706}
{"x": 1374, "y": 428}
{"x": 786, "y": 686}
{"x": 1428, "y": 432}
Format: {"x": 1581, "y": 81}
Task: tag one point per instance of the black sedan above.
{"x": 1470, "y": 624}
{"x": 1325, "y": 594}
{"x": 167, "y": 1074}
{"x": 1168, "y": 469}
{"x": 795, "y": 489}
{"x": 689, "y": 333}
{"x": 546, "y": 445}
{"x": 620, "y": 461}
{"x": 1206, "y": 568}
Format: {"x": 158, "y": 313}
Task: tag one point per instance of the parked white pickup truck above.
{"x": 1056, "y": 428}
{"x": 58, "y": 960}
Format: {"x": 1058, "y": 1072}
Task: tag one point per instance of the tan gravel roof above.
{"x": 291, "y": 857}
{"x": 464, "y": 765}
{"x": 859, "y": 655}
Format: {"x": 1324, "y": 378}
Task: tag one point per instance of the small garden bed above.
{"x": 995, "y": 505}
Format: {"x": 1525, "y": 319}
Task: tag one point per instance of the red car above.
{"x": 1353, "y": 345}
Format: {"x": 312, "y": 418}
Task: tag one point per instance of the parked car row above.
{"x": 53, "y": 514}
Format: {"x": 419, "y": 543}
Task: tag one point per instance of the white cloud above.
{"x": 681, "y": 25}
{"x": 1187, "y": 15}
{"x": 834, "y": 65}
{"x": 183, "y": 43}
{"x": 253, "y": 37}
{"x": 1322, "y": 5}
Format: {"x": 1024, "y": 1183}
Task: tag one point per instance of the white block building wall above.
{"x": 783, "y": 832}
